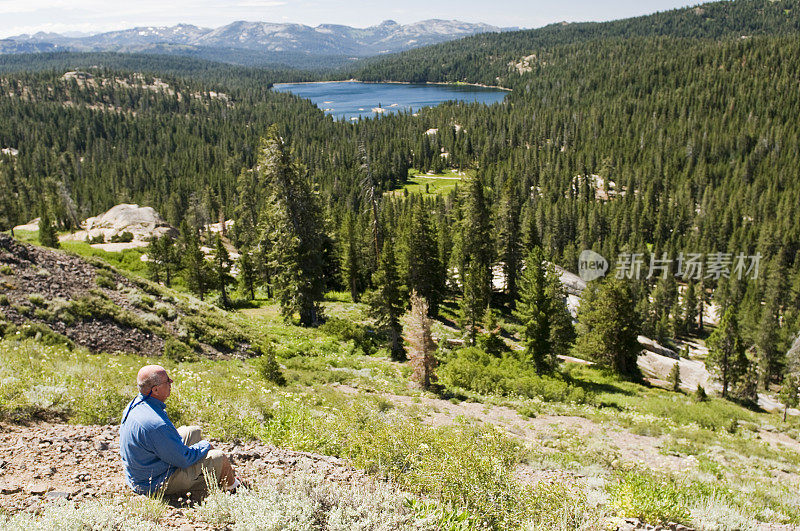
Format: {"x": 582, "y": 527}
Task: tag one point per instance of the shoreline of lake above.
{"x": 445, "y": 83}
{"x": 353, "y": 99}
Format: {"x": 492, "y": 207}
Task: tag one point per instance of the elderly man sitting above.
{"x": 158, "y": 456}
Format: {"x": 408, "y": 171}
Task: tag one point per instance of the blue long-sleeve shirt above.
{"x": 151, "y": 447}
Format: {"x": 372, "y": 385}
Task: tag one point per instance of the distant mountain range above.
{"x": 258, "y": 37}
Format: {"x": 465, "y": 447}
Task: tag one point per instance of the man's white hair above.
{"x": 148, "y": 383}
{"x": 149, "y": 377}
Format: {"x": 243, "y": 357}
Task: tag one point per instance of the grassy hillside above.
{"x": 575, "y": 449}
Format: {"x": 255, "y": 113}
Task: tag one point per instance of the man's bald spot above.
{"x": 150, "y": 376}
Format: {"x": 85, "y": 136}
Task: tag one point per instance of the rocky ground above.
{"x": 55, "y": 275}
{"x": 47, "y": 463}
{"x": 57, "y": 279}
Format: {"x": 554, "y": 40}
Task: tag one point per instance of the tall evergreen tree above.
{"x": 246, "y": 210}
{"x": 222, "y": 271}
{"x": 47, "y": 229}
{"x": 474, "y": 257}
{"x": 247, "y": 273}
{"x": 790, "y": 393}
{"x": 768, "y": 335}
{"x": 385, "y": 302}
{"x": 475, "y": 299}
{"x": 162, "y": 259}
{"x": 608, "y": 326}
{"x": 690, "y": 312}
{"x": 543, "y": 313}
{"x": 196, "y": 270}
{"x": 292, "y": 223}
{"x": 509, "y": 244}
{"x": 424, "y": 272}
{"x": 726, "y": 352}
{"x": 9, "y": 201}
{"x": 350, "y": 256}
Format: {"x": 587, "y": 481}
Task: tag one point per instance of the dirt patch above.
{"x": 779, "y": 440}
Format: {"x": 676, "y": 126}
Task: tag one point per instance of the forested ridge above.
{"x": 671, "y": 133}
{"x": 488, "y": 57}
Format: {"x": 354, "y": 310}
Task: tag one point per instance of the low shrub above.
{"x": 4, "y": 300}
{"x": 122, "y": 237}
{"x": 106, "y": 514}
{"x": 475, "y": 370}
{"x": 177, "y": 350}
{"x": 141, "y": 301}
{"x": 222, "y": 335}
{"x": 310, "y": 502}
{"x": 37, "y": 300}
{"x": 43, "y": 334}
{"x": 347, "y": 330}
{"x": 43, "y": 314}
{"x": 105, "y": 279}
{"x": 6, "y": 270}
{"x": 165, "y": 311}
{"x": 654, "y": 499}
{"x": 98, "y": 406}
{"x": 97, "y": 306}
{"x": 22, "y": 309}
{"x": 266, "y": 365}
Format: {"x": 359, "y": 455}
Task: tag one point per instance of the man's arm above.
{"x": 169, "y": 446}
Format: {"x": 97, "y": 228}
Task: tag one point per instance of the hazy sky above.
{"x": 94, "y": 16}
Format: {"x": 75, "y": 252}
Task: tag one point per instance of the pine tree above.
{"x": 675, "y": 377}
{"x": 424, "y": 271}
{"x": 562, "y": 331}
{"x": 533, "y": 311}
{"x": 474, "y": 300}
{"x": 530, "y": 229}
{"x": 385, "y": 302}
{"x": 418, "y": 333}
{"x": 608, "y": 327}
{"x": 548, "y": 330}
{"x": 222, "y": 271}
{"x": 246, "y": 211}
{"x": 509, "y": 244}
{"x": 726, "y": 353}
{"x": 690, "y": 308}
{"x": 9, "y": 201}
{"x": 768, "y": 334}
{"x": 350, "y": 256}
{"x": 247, "y": 274}
{"x": 474, "y": 258}
{"x": 162, "y": 259}
{"x": 490, "y": 341}
{"x": 292, "y": 223}
{"x": 47, "y": 230}
{"x": 196, "y": 270}
{"x": 154, "y": 260}
{"x": 789, "y": 394}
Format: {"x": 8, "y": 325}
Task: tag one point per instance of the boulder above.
{"x": 142, "y": 222}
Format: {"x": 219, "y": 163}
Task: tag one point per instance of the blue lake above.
{"x": 350, "y": 100}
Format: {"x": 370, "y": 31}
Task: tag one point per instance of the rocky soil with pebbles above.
{"x": 48, "y": 463}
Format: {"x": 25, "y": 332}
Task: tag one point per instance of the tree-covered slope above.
{"x": 490, "y": 57}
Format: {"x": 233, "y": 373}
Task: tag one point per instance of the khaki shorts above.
{"x": 192, "y": 478}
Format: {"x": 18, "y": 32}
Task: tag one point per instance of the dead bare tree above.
{"x": 418, "y": 334}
